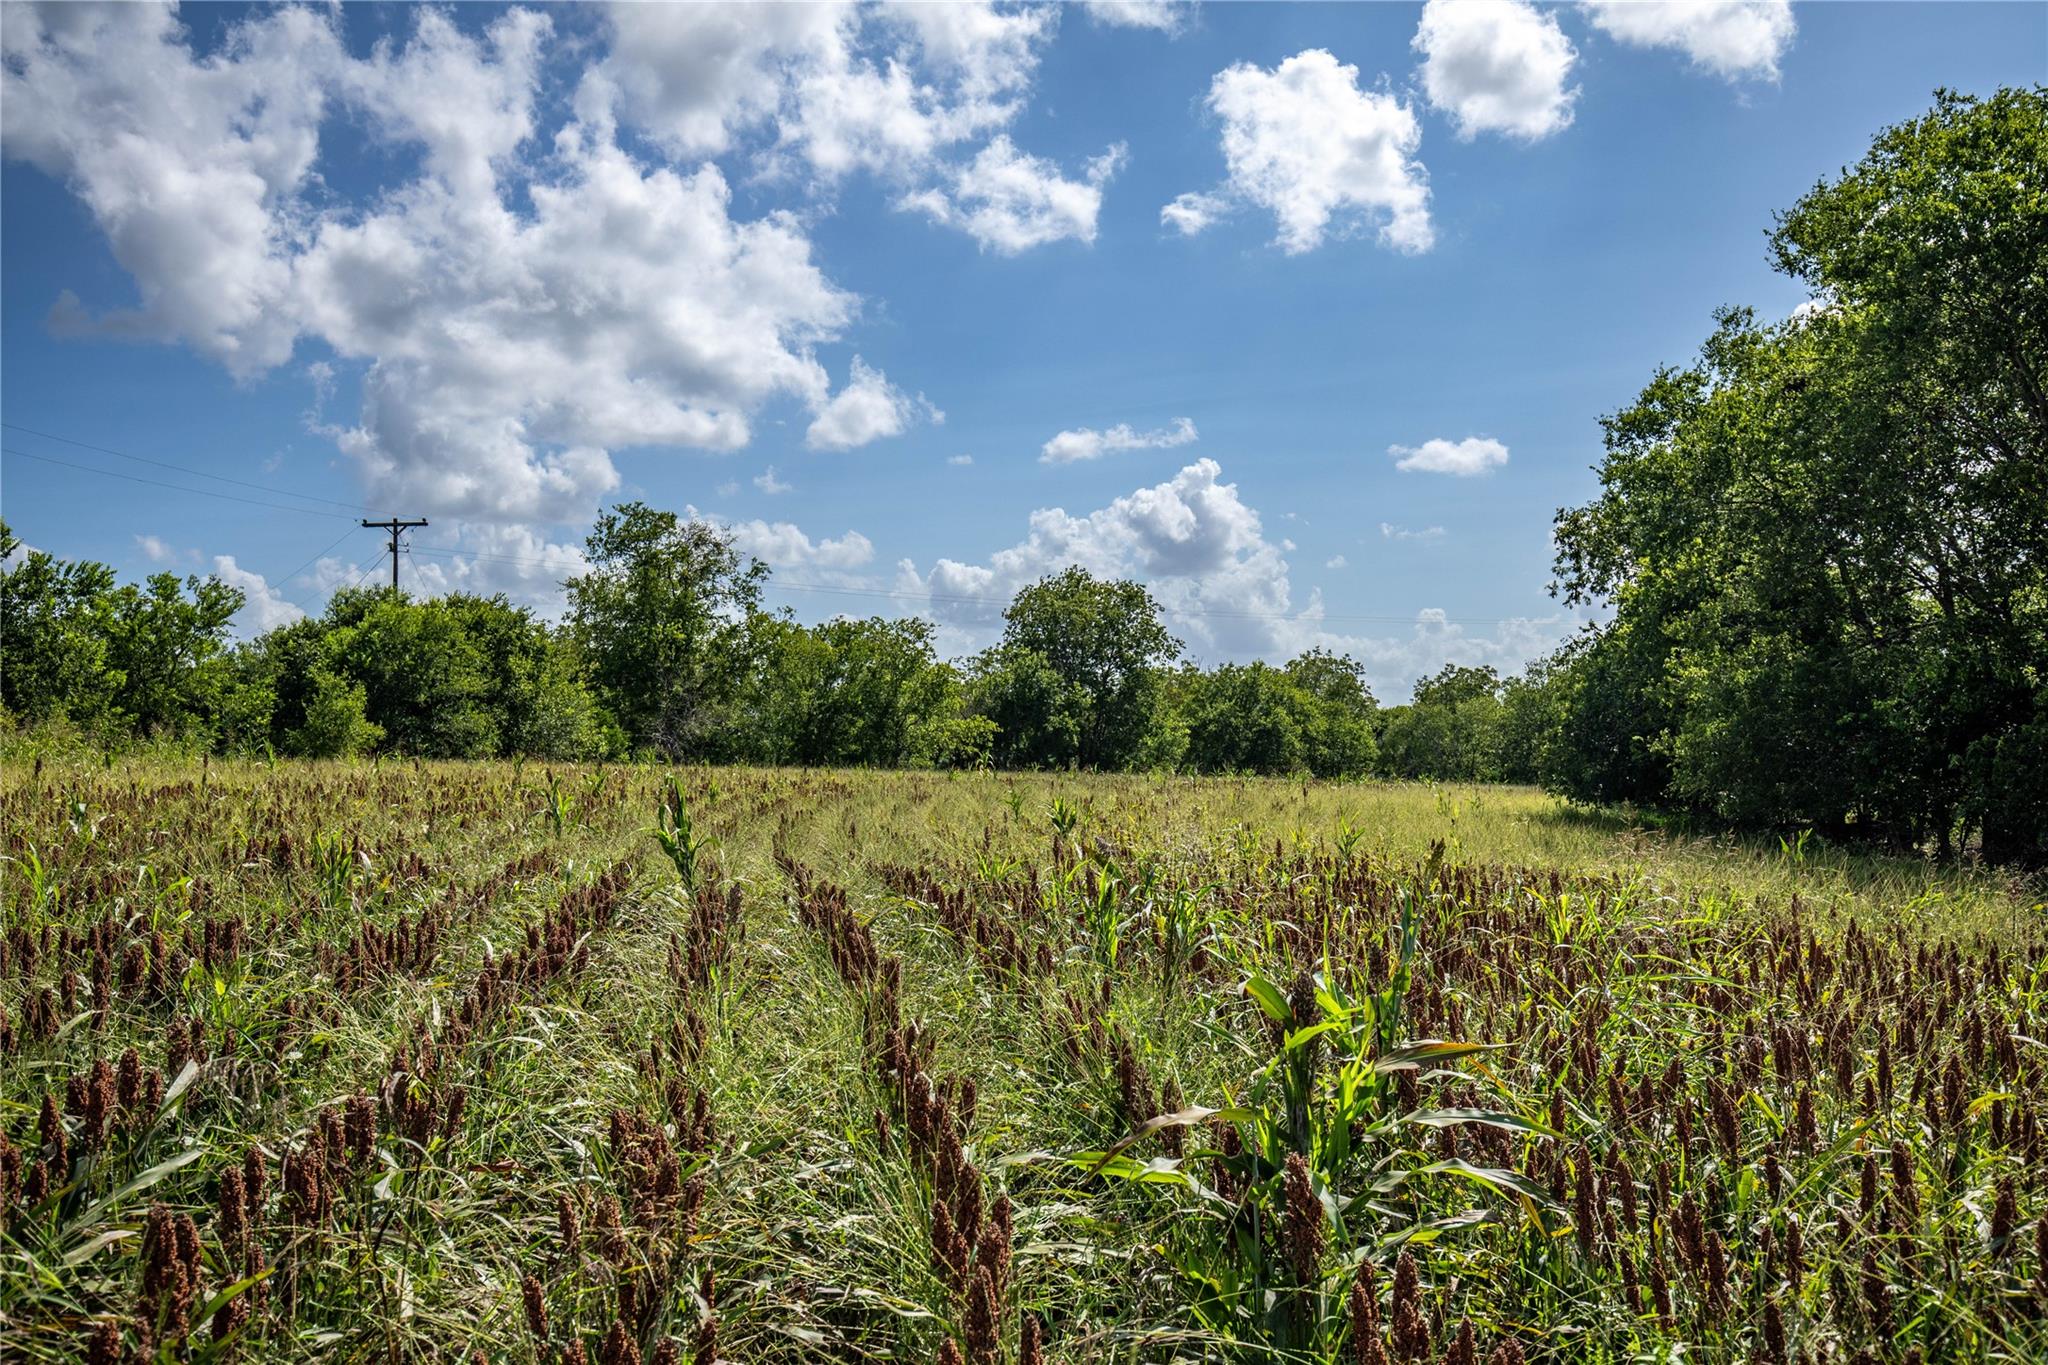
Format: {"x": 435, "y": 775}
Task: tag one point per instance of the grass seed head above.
{"x": 1031, "y": 1342}
{"x": 536, "y": 1302}
{"x": 103, "y": 1346}
{"x": 1302, "y": 1221}
{"x": 1464, "y": 1349}
{"x": 2005, "y": 1216}
{"x": 1411, "y": 1324}
{"x": 618, "y": 1348}
{"x": 1877, "y": 1294}
{"x": 1364, "y": 1312}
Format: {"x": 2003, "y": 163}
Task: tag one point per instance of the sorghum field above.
{"x": 408, "y": 1061}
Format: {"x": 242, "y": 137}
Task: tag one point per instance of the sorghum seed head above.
{"x": 536, "y": 1308}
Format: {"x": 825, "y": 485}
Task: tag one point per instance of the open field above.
{"x": 418, "y": 1061}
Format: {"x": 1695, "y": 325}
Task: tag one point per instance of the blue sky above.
{"x": 893, "y": 292}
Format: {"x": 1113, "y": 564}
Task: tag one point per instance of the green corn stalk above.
{"x": 555, "y": 804}
{"x": 675, "y": 832}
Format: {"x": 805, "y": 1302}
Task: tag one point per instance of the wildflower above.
{"x": 1727, "y": 1127}
{"x": 96, "y": 1104}
{"x": 231, "y": 1317}
{"x": 949, "y": 1248}
{"x": 231, "y": 1223}
{"x": 255, "y": 1178}
{"x": 611, "y": 1232}
{"x": 1716, "y": 1269}
{"x": 1623, "y": 1182}
{"x": 1805, "y": 1129}
{"x": 1687, "y": 1229}
{"x": 50, "y": 1127}
{"x": 992, "y": 1249}
{"x": 10, "y": 1172}
{"x": 361, "y": 1128}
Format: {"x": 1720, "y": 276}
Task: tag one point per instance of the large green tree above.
{"x": 150, "y": 659}
{"x": 1103, "y": 641}
{"x": 1247, "y": 718}
{"x": 1824, "y": 542}
{"x": 1338, "y": 721}
{"x": 662, "y": 620}
{"x": 849, "y": 692}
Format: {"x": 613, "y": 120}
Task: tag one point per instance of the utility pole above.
{"x": 394, "y": 527}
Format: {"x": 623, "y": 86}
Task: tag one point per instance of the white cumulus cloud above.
{"x": 1496, "y": 66}
{"x": 867, "y": 409}
{"x": 1010, "y": 201}
{"x": 1190, "y": 213}
{"x": 1203, "y": 553}
{"x": 1192, "y": 540}
{"x": 1731, "y": 38}
{"x": 157, "y": 550}
{"x": 1322, "y": 155}
{"x": 1085, "y": 443}
{"x": 1166, "y": 16}
{"x": 262, "y": 608}
{"x": 785, "y": 545}
{"x": 1466, "y": 458}
{"x": 829, "y": 88}
{"x": 513, "y": 311}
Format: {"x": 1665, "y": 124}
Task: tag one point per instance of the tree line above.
{"x": 665, "y": 651}
{"x": 1822, "y": 549}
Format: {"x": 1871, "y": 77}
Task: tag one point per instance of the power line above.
{"x": 182, "y": 469}
{"x": 279, "y": 583}
{"x": 174, "y": 487}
